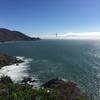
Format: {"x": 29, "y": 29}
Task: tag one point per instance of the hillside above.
{"x": 8, "y": 35}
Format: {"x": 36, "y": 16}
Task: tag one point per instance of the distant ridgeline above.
{"x": 8, "y": 35}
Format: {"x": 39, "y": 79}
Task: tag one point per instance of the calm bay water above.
{"x": 76, "y": 60}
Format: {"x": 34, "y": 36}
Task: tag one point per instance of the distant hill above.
{"x": 8, "y": 35}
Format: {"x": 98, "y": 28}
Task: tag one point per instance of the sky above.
{"x": 48, "y": 17}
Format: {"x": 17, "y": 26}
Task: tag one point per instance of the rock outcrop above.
{"x": 8, "y": 60}
{"x": 66, "y": 90}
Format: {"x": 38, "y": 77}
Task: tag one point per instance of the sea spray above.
{"x": 18, "y": 71}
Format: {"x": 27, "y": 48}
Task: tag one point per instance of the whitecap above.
{"x": 16, "y": 72}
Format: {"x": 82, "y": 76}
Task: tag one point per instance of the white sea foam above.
{"x": 17, "y": 72}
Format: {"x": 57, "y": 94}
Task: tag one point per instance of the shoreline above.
{"x": 6, "y": 60}
{"x": 7, "y": 42}
{"x": 59, "y": 85}
{"x": 18, "y": 72}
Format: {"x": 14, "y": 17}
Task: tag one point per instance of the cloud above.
{"x": 71, "y": 35}
{"x": 85, "y": 35}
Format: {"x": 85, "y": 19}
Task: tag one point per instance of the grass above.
{"x": 12, "y": 91}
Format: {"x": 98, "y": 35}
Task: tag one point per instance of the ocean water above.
{"x": 76, "y": 60}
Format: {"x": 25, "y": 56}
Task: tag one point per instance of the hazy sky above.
{"x": 50, "y": 16}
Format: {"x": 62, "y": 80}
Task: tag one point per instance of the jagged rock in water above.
{"x": 27, "y": 79}
{"x": 8, "y": 60}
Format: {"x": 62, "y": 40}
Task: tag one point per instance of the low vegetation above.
{"x": 53, "y": 90}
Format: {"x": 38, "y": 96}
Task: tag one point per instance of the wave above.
{"x": 18, "y": 72}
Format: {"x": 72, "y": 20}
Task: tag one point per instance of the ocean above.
{"x": 75, "y": 60}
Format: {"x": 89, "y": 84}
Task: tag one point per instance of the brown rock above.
{"x": 8, "y": 60}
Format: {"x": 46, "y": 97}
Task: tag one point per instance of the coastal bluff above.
{"x": 9, "y": 35}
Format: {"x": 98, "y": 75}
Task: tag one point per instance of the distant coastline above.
{"x": 9, "y": 35}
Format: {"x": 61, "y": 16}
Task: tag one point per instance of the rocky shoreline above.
{"x": 6, "y": 60}
{"x": 55, "y": 89}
